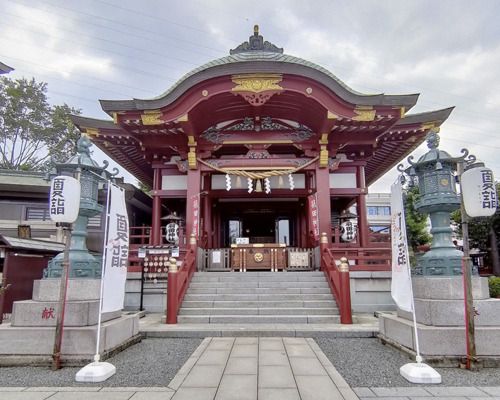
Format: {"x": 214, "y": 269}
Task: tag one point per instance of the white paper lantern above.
{"x": 64, "y": 200}
{"x": 479, "y": 192}
{"x": 348, "y": 230}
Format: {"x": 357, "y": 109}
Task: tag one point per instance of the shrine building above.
{"x": 261, "y": 155}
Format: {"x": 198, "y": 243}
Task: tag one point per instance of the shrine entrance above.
{"x": 257, "y": 221}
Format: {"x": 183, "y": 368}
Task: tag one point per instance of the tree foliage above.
{"x": 416, "y": 222}
{"x": 31, "y": 131}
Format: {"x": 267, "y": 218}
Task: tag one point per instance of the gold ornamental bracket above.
{"x": 257, "y": 89}
{"x": 430, "y": 125}
{"x": 192, "y": 153}
{"x": 256, "y": 83}
{"x": 323, "y": 153}
{"x": 152, "y": 117}
{"x": 364, "y": 114}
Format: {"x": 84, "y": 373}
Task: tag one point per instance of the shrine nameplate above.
{"x": 268, "y": 256}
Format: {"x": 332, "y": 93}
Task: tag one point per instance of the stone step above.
{"x": 253, "y": 297}
{"x": 258, "y": 311}
{"x": 260, "y": 304}
{"x": 279, "y": 290}
{"x": 246, "y": 278}
{"x": 259, "y": 284}
{"x": 258, "y": 319}
{"x": 266, "y": 274}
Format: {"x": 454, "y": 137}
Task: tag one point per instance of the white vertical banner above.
{"x": 401, "y": 290}
{"x": 115, "y": 251}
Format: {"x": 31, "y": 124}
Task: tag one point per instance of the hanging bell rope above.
{"x": 258, "y": 175}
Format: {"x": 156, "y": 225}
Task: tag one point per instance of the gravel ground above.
{"x": 153, "y": 362}
{"x": 367, "y": 362}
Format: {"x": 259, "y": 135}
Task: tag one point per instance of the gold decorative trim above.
{"x": 330, "y": 115}
{"x": 91, "y": 132}
{"x": 258, "y": 257}
{"x": 258, "y": 245}
{"x": 258, "y": 141}
{"x": 115, "y": 117}
{"x": 430, "y": 125}
{"x": 183, "y": 118}
{"x": 151, "y": 117}
{"x": 364, "y": 113}
{"x": 256, "y": 83}
{"x": 323, "y": 157}
{"x": 324, "y": 238}
{"x": 324, "y": 138}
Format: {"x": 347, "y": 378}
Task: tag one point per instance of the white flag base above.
{"x": 419, "y": 373}
{"x": 95, "y": 372}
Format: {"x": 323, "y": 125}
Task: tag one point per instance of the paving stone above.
{"x": 400, "y": 391}
{"x": 11, "y": 389}
{"x": 241, "y": 366}
{"x": 92, "y": 395}
{"x": 64, "y": 389}
{"x": 364, "y": 392}
{"x": 213, "y": 357}
{"x": 221, "y": 344}
{"x": 194, "y": 394}
{"x": 317, "y": 388}
{"x": 393, "y": 398}
{"x": 491, "y": 390}
{"x": 278, "y": 394}
{"x": 204, "y": 376}
{"x": 237, "y": 387}
{"x": 245, "y": 350}
{"x": 129, "y": 389}
{"x": 442, "y": 398}
{"x": 7, "y": 395}
{"x": 152, "y": 396}
{"x": 484, "y": 398}
{"x": 246, "y": 340}
{"x": 454, "y": 391}
{"x": 273, "y": 358}
{"x": 272, "y": 376}
{"x": 307, "y": 366}
{"x": 302, "y": 350}
{"x": 271, "y": 344}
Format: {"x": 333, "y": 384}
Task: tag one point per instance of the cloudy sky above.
{"x": 449, "y": 51}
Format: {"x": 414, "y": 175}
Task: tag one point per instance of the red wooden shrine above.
{"x": 305, "y": 143}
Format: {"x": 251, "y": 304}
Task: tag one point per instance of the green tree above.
{"x": 416, "y": 222}
{"x": 31, "y": 131}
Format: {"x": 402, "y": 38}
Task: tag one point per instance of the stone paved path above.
{"x": 265, "y": 368}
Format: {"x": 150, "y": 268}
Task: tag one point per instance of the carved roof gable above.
{"x": 256, "y": 43}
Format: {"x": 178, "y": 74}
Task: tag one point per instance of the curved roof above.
{"x": 263, "y": 57}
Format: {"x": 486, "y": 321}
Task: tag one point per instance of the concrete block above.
{"x": 78, "y": 313}
{"x": 451, "y": 312}
{"x": 78, "y": 289}
{"x": 448, "y": 288}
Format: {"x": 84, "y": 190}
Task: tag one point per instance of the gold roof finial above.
{"x": 256, "y": 30}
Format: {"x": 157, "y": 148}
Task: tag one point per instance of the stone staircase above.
{"x": 258, "y": 297}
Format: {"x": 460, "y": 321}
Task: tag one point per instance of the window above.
{"x": 379, "y": 210}
{"x": 37, "y": 214}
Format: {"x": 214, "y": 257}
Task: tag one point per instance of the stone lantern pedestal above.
{"x": 438, "y": 284}
{"x": 439, "y": 306}
{"x": 29, "y": 337}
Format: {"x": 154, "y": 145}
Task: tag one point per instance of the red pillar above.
{"x": 193, "y": 198}
{"x": 155, "y": 235}
{"x": 323, "y": 198}
{"x": 364, "y": 239}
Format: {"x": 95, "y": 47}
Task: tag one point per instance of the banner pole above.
{"x": 97, "y": 356}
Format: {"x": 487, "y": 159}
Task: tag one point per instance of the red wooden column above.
{"x": 323, "y": 198}
{"x": 193, "y": 202}
{"x": 207, "y": 210}
{"x": 364, "y": 235}
{"x": 155, "y": 235}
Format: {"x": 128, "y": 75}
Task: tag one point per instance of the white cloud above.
{"x": 39, "y": 37}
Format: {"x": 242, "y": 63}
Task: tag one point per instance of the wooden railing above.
{"x": 338, "y": 279}
{"x": 178, "y": 281}
{"x": 365, "y": 259}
